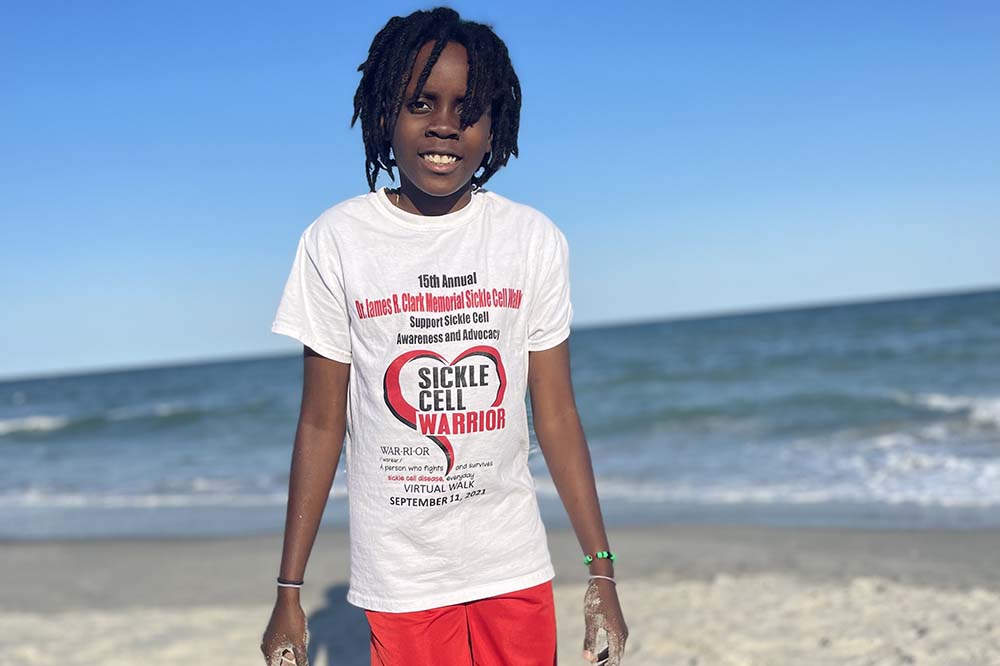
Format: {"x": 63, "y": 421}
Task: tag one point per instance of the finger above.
{"x": 302, "y": 649}
{"x": 276, "y": 656}
{"x": 592, "y": 620}
{"x": 616, "y": 646}
{"x": 589, "y": 638}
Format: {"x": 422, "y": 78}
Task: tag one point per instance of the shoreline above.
{"x": 81, "y": 573}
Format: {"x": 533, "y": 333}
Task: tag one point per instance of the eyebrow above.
{"x": 435, "y": 96}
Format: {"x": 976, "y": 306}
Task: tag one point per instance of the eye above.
{"x": 418, "y": 106}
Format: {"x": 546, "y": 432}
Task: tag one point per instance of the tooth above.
{"x": 440, "y": 159}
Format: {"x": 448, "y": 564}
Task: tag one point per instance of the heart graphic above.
{"x": 407, "y": 413}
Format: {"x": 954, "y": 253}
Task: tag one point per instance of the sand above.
{"x": 705, "y": 595}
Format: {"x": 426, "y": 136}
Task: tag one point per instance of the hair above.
{"x": 386, "y": 73}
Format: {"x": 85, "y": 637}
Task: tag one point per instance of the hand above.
{"x": 287, "y": 635}
{"x": 601, "y": 610}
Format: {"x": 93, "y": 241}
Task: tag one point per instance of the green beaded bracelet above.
{"x": 601, "y": 555}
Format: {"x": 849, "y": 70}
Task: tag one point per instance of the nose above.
{"x": 444, "y": 125}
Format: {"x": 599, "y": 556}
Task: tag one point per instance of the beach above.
{"x": 705, "y": 595}
{"x": 769, "y": 291}
{"x": 790, "y": 488}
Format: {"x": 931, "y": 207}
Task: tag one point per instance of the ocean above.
{"x": 877, "y": 415}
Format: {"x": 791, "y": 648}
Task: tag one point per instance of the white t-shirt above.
{"x": 437, "y": 316}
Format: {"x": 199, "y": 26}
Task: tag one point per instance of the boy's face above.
{"x": 435, "y": 156}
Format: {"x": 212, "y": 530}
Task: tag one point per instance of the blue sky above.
{"x": 161, "y": 159}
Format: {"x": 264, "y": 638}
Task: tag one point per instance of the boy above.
{"x": 425, "y": 312}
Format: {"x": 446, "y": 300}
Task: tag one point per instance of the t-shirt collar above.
{"x": 416, "y": 222}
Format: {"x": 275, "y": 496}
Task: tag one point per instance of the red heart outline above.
{"x": 407, "y": 413}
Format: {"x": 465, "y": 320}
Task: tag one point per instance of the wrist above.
{"x": 600, "y": 562}
{"x": 602, "y": 580}
{"x": 288, "y": 594}
{"x": 602, "y": 567}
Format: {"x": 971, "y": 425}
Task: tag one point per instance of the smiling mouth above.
{"x": 440, "y": 158}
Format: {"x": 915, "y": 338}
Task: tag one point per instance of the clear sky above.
{"x": 160, "y": 159}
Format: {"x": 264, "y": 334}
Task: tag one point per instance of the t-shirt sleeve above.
{"x": 313, "y": 307}
{"x": 551, "y": 311}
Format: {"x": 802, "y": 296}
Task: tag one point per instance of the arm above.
{"x": 564, "y": 446}
{"x": 319, "y": 440}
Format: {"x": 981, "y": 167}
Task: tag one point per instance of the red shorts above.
{"x": 513, "y": 628}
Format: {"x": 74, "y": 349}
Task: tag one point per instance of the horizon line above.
{"x": 695, "y": 316}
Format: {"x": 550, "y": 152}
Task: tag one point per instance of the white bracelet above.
{"x": 289, "y": 585}
{"x": 604, "y": 577}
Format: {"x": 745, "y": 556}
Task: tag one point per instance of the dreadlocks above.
{"x": 385, "y": 75}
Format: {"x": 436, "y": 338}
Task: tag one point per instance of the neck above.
{"x": 413, "y": 200}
